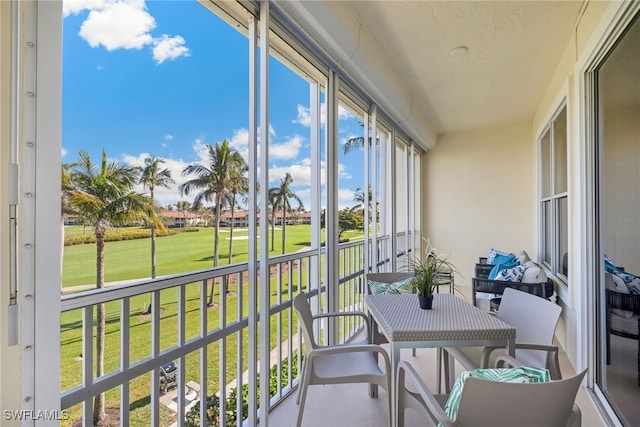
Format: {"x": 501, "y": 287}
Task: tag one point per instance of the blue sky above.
{"x": 165, "y": 78}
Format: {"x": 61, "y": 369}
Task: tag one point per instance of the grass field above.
{"x": 179, "y": 253}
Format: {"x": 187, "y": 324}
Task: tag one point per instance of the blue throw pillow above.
{"x": 513, "y": 262}
{"x": 503, "y": 259}
{"x": 495, "y": 252}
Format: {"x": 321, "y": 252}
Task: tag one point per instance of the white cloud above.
{"x": 240, "y": 142}
{"x": 201, "y": 150}
{"x": 345, "y": 195}
{"x": 124, "y": 24}
{"x": 287, "y": 150}
{"x": 304, "y": 115}
{"x": 168, "y": 137}
{"x": 118, "y": 25}
{"x": 301, "y": 172}
{"x": 73, "y": 7}
{"x": 169, "y": 48}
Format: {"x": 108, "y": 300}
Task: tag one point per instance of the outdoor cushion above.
{"x": 521, "y": 374}
{"x": 501, "y": 263}
{"x": 615, "y": 283}
{"x": 523, "y": 257}
{"x": 400, "y": 287}
{"x": 513, "y": 274}
{"x": 493, "y": 253}
{"x": 533, "y": 273}
{"x": 631, "y": 280}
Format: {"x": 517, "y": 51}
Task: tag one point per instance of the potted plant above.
{"x": 429, "y": 273}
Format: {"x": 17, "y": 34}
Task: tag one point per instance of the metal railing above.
{"x": 209, "y": 343}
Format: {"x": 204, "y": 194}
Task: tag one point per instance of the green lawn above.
{"x": 182, "y": 252}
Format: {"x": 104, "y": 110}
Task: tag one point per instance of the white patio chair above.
{"x": 535, "y": 320}
{"x": 339, "y": 364}
{"x": 495, "y": 404}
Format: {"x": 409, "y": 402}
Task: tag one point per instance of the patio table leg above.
{"x": 395, "y": 360}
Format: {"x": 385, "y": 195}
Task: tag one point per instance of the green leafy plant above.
{"x": 193, "y": 418}
{"x": 433, "y": 270}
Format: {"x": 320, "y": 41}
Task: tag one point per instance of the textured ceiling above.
{"x": 514, "y": 49}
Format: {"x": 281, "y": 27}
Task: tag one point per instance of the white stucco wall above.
{"x": 621, "y": 198}
{"x": 478, "y": 193}
{"x": 480, "y": 187}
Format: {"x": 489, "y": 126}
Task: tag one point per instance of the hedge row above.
{"x": 119, "y": 235}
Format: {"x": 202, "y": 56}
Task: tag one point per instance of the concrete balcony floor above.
{"x": 350, "y": 405}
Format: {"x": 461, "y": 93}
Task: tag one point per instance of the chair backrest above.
{"x": 534, "y": 318}
{"x": 305, "y": 318}
{"x": 513, "y": 404}
{"x": 391, "y": 282}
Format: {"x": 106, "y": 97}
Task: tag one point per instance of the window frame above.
{"x": 553, "y": 221}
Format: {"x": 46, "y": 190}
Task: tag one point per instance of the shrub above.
{"x": 115, "y": 236}
{"x": 192, "y": 419}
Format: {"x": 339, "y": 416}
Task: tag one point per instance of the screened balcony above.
{"x": 212, "y": 347}
{"x": 481, "y": 124}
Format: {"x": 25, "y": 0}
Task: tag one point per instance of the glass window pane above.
{"x": 545, "y": 170}
{"x": 546, "y": 230}
{"x": 560, "y": 152}
{"x": 562, "y": 222}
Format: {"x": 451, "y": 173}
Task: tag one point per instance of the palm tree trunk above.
{"x": 153, "y": 263}
{"x": 99, "y": 402}
{"x": 233, "y": 208}
{"x": 273, "y": 226}
{"x": 216, "y": 245}
{"x": 284, "y": 228}
{"x": 153, "y": 253}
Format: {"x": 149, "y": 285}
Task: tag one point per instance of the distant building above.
{"x": 179, "y": 219}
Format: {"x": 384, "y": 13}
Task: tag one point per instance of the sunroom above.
{"x": 477, "y": 125}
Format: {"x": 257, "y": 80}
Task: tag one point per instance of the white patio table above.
{"x": 451, "y": 322}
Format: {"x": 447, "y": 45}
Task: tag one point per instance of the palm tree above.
{"x": 359, "y": 197}
{"x": 152, "y": 177}
{"x": 103, "y": 197}
{"x": 281, "y": 196}
{"x": 66, "y": 188}
{"x": 184, "y": 207}
{"x": 272, "y": 202}
{"x": 357, "y": 142}
{"x": 238, "y": 184}
{"x": 213, "y": 182}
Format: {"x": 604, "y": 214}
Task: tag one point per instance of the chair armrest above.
{"x": 462, "y": 358}
{"x": 337, "y": 349}
{"x": 553, "y": 363}
{"x": 346, "y": 314}
{"x": 506, "y": 360}
{"x": 427, "y": 398}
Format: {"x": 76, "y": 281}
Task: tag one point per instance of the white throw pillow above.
{"x": 511, "y": 274}
{"x": 533, "y": 273}
{"x": 523, "y": 257}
